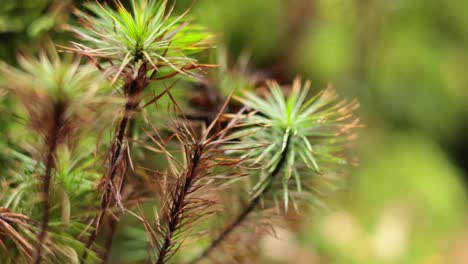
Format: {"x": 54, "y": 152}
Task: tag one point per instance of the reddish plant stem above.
{"x": 52, "y": 140}
{"x": 249, "y": 209}
{"x": 132, "y": 91}
{"x": 109, "y": 240}
{"x": 112, "y": 220}
{"x": 178, "y": 204}
{"x": 115, "y": 152}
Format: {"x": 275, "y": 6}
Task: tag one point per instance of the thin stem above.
{"x": 113, "y": 220}
{"x": 249, "y": 209}
{"x": 52, "y": 141}
{"x": 109, "y": 240}
{"x": 175, "y": 215}
{"x": 115, "y": 153}
{"x": 132, "y": 91}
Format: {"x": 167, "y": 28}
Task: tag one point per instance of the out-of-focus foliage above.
{"x": 62, "y": 99}
{"x": 244, "y": 24}
{"x": 404, "y": 57}
{"x": 24, "y": 23}
{"x": 72, "y": 192}
{"x": 399, "y": 208}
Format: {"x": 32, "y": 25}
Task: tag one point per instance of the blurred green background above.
{"x": 404, "y": 60}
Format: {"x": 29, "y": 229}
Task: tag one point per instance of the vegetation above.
{"x": 150, "y": 131}
{"x": 63, "y": 99}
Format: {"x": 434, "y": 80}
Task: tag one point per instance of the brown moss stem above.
{"x": 132, "y": 90}
{"x": 178, "y": 203}
{"x": 52, "y": 140}
{"x": 247, "y": 210}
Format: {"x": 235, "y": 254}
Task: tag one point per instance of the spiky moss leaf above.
{"x": 61, "y": 78}
{"x": 147, "y": 34}
{"x": 318, "y": 129}
{"x": 52, "y": 83}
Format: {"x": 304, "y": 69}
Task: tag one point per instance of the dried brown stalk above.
{"x": 11, "y": 224}
{"x": 247, "y": 210}
{"x": 116, "y": 165}
{"x": 189, "y": 201}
